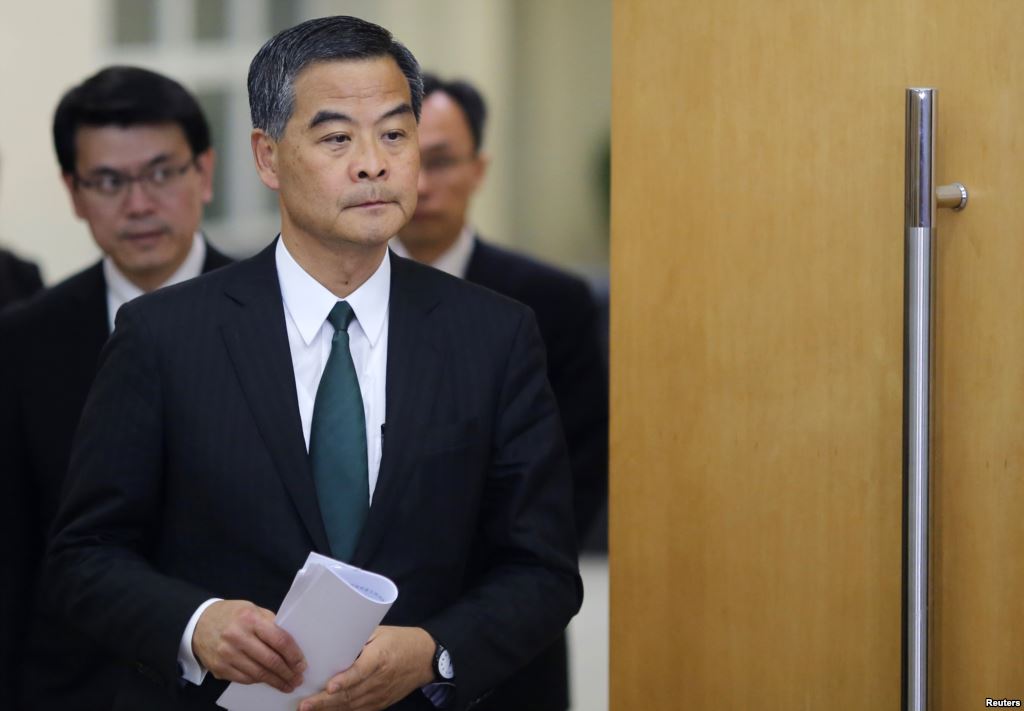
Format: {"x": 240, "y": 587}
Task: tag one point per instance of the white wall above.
{"x": 45, "y": 47}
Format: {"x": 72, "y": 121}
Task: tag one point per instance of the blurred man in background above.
{"x": 19, "y": 279}
{"x": 452, "y": 168}
{"x": 135, "y": 155}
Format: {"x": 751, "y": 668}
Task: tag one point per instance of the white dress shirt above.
{"x": 120, "y": 290}
{"x": 306, "y": 306}
{"x": 454, "y": 260}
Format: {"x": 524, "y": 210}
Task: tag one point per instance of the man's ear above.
{"x": 74, "y": 194}
{"x": 265, "y": 152}
{"x": 205, "y": 163}
{"x": 480, "y": 164}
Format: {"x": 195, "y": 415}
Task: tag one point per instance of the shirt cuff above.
{"x": 191, "y": 670}
{"x": 439, "y": 694}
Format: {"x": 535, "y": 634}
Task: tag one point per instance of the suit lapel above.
{"x": 214, "y": 258}
{"x": 257, "y": 341}
{"x": 88, "y": 326}
{"x": 476, "y": 268}
{"x": 412, "y": 352}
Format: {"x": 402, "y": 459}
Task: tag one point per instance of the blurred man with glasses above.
{"x": 135, "y": 155}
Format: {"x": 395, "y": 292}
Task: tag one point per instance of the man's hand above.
{"x": 394, "y": 662}
{"x": 237, "y": 641}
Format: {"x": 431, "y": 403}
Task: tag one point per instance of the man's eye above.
{"x": 158, "y": 176}
{"x": 438, "y": 163}
{"x": 110, "y": 182}
{"x": 393, "y": 135}
{"x": 337, "y": 138}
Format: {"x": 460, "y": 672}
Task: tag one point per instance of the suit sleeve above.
{"x": 107, "y": 529}
{"x": 579, "y": 378}
{"x": 528, "y": 585}
{"x": 19, "y": 524}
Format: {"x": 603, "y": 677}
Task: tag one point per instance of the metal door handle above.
{"x": 919, "y": 232}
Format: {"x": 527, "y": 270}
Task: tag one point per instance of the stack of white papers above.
{"x": 331, "y": 610}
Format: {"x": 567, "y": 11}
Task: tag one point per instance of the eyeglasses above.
{"x": 112, "y": 183}
{"x": 442, "y": 164}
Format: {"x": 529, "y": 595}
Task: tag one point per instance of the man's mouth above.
{"x": 143, "y": 235}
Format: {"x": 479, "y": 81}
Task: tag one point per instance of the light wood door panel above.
{"x": 757, "y": 265}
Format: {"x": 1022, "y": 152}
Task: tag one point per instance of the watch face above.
{"x": 444, "y": 665}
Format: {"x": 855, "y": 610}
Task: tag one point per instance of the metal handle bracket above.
{"x": 952, "y": 196}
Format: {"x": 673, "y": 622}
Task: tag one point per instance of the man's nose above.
{"x": 136, "y": 200}
{"x": 371, "y": 163}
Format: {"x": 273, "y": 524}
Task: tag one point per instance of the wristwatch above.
{"x": 444, "y": 670}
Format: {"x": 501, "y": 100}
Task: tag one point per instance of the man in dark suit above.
{"x": 238, "y": 422}
{"x": 19, "y": 279}
{"x": 134, "y": 150}
{"x": 452, "y": 169}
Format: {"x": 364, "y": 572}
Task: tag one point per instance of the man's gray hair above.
{"x": 273, "y": 70}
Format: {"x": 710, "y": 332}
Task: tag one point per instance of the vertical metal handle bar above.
{"x": 917, "y": 347}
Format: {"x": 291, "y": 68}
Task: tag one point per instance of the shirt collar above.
{"x": 309, "y": 302}
{"x": 122, "y": 290}
{"x": 454, "y": 260}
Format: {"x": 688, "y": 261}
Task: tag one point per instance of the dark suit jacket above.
{"x": 49, "y": 349}
{"x": 18, "y": 279}
{"x": 190, "y": 478}
{"x": 568, "y": 321}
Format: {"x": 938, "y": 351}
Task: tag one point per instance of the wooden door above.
{"x": 757, "y": 311}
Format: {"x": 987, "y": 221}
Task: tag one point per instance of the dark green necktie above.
{"x": 337, "y": 443}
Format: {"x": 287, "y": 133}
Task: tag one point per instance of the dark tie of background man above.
{"x": 337, "y": 443}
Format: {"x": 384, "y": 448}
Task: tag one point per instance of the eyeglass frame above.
{"x": 144, "y": 178}
{"x": 442, "y": 164}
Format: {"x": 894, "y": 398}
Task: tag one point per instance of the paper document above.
{"x": 331, "y": 610}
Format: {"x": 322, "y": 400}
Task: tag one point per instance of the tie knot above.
{"x": 341, "y": 316}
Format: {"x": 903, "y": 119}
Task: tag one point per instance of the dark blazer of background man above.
{"x": 19, "y": 279}
{"x": 452, "y": 168}
{"x": 134, "y": 151}
{"x": 190, "y": 478}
